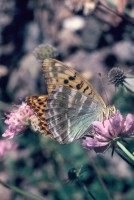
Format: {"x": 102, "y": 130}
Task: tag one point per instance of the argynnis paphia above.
{"x": 70, "y": 107}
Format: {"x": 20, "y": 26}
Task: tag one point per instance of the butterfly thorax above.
{"x": 108, "y": 112}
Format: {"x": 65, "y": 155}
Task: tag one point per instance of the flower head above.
{"x": 17, "y": 120}
{"x": 105, "y": 133}
{"x": 118, "y": 77}
{"x": 44, "y": 51}
{"x": 6, "y": 146}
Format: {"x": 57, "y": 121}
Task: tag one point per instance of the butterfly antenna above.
{"x": 100, "y": 77}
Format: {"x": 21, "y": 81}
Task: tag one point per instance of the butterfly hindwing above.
{"x": 69, "y": 114}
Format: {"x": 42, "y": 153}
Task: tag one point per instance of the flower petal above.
{"x": 129, "y": 124}
{"x": 117, "y": 123}
{"x": 107, "y": 131}
{"x": 93, "y": 143}
{"x": 101, "y": 130}
{"x": 98, "y": 127}
{"x": 17, "y": 120}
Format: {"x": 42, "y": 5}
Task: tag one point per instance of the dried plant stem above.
{"x": 125, "y": 17}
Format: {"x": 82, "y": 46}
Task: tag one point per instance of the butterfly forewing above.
{"x": 57, "y": 73}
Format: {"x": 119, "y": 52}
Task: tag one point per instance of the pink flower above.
{"x": 17, "y": 120}
{"x": 107, "y": 132}
{"x": 6, "y": 146}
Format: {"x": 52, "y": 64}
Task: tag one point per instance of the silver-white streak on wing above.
{"x": 70, "y": 113}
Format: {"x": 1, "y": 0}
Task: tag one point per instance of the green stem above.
{"x": 121, "y": 154}
{"x": 125, "y": 150}
{"x": 86, "y": 190}
{"x": 22, "y": 192}
{"x": 106, "y": 192}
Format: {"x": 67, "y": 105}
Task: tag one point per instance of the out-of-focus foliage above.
{"x": 91, "y": 44}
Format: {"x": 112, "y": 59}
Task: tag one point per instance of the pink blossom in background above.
{"x": 6, "y": 146}
{"x": 17, "y": 120}
{"x": 106, "y": 132}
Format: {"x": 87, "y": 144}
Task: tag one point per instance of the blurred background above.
{"x": 92, "y": 38}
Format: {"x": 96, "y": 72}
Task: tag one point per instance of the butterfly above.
{"x": 71, "y": 105}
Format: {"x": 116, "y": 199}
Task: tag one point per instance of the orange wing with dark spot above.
{"x": 38, "y": 105}
{"x": 56, "y": 73}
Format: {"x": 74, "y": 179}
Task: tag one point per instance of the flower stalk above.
{"x": 86, "y": 190}
{"x": 123, "y": 148}
{"x": 22, "y": 192}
